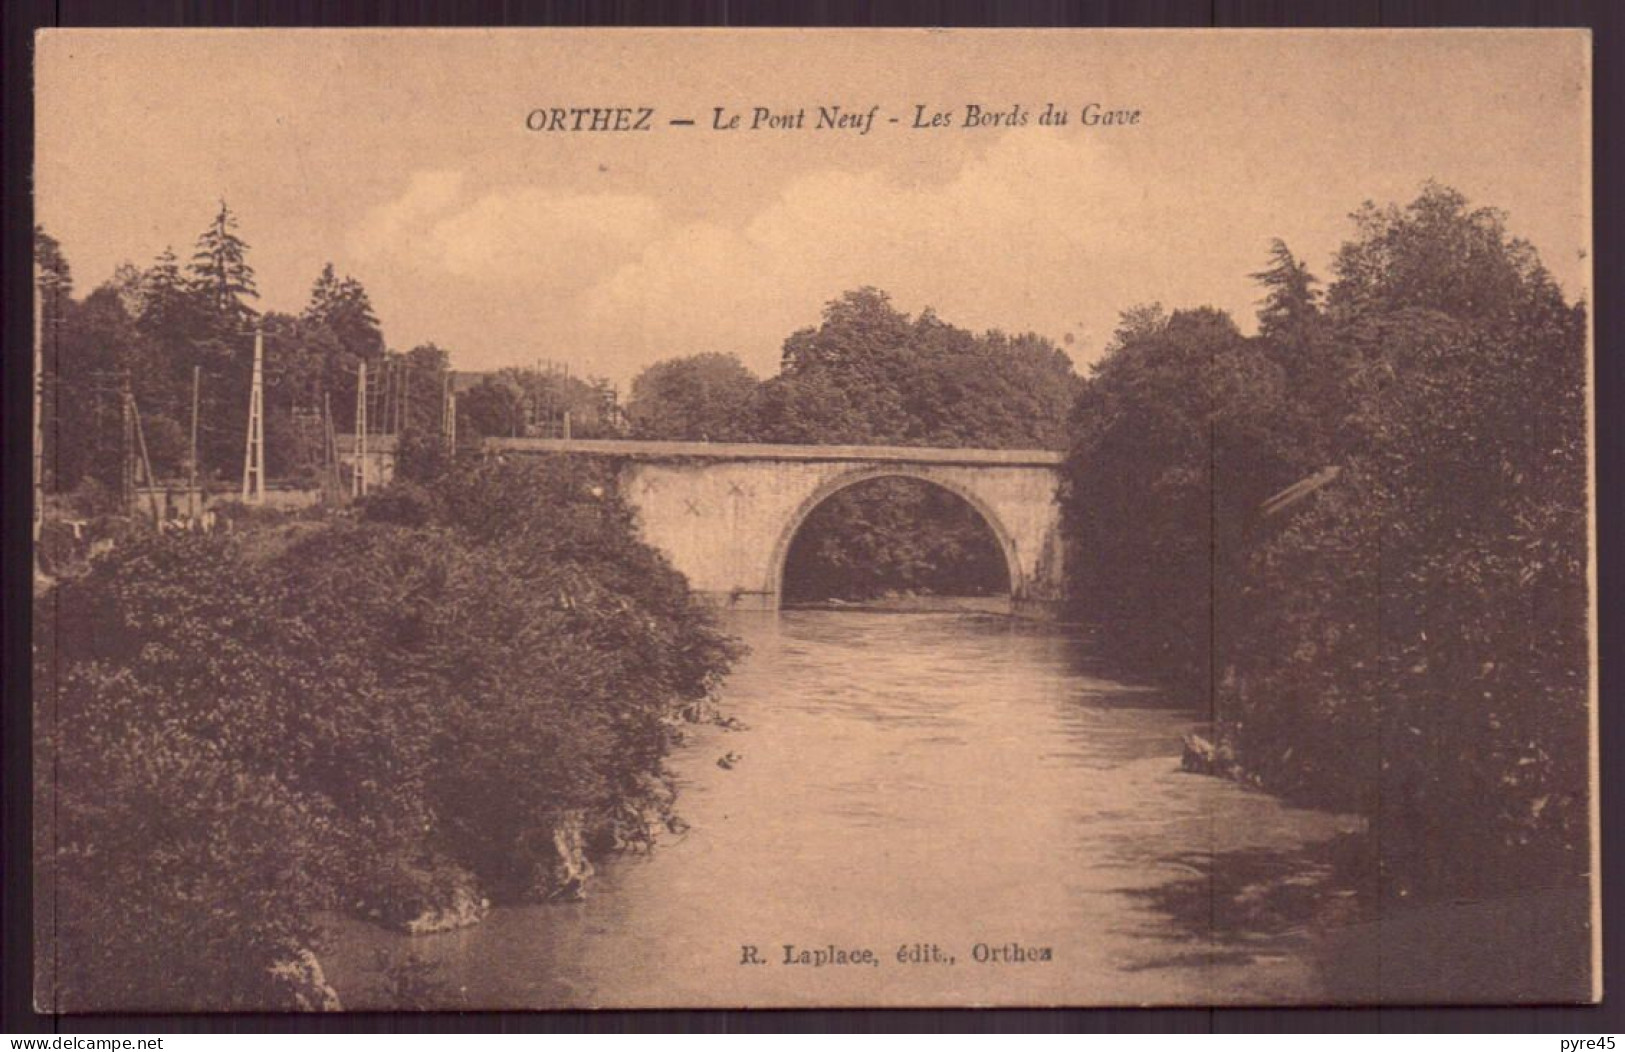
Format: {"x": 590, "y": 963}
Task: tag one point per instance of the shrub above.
{"x": 179, "y": 820}
{"x": 403, "y": 503}
{"x": 250, "y": 727}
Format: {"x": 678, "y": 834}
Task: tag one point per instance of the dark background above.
{"x": 16, "y": 134}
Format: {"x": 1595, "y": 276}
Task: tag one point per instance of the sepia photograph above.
{"x": 537, "y": 519}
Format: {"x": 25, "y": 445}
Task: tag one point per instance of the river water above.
{"x": 904, "y": 782}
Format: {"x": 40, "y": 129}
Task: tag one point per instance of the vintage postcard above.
{"x": 551, "y": 519}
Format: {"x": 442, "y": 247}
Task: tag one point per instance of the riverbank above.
{"x": 916, "y": 780}
{"x": 498, "y": 666}
{"x": 1374, "y": 942}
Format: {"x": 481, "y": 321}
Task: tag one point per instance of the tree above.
{"x": 342, "y": 304}
{"x": 54, "y": 278}
{"x": 54, "y": 287}
{"x": 340, "y": 327}
{"x": 811, "y": 408}
{"x": 1408, "y": 640}
{"x": 85, "y": 370}
{"x": 893, "y": 535}
{"x": 1438, "y": 254}
{"x": 701, "y": 398}
{"x": 217, "y": 338}
{"x": 493, "y": 408}
{"x": 1470, "y": 428}
{"x": 168, "y": 308}
{"x": 871, "y": 374}
{"x": 843, "y": 380}
{"x": 1178, "y": 438}
{"x": 426, "y": 368}
{"x": 1290, "y": 309}
{"x": 992, "y": 391}
{"x": 221, "y": 272}
{"x": 177, "y": 332}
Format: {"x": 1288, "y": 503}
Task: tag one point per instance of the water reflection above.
{"x": 905, "y": 781}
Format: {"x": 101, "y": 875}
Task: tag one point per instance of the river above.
{"x": 904, "y": 782}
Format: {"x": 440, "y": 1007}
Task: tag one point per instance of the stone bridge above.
{"x": 725, "y": 513}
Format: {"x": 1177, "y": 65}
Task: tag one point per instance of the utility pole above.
{"x": 358, "y": 478}
{"x": 136, "y": 466}
{"x": 548, "y": 380}
{"x": 378, "y": 398}
{"x": 331, "y": 483}
{"x": 127, "y": 452}
{"x": 564, "y": 399}
{"x": 390, "y": 399}
{"x": 150, "y": 480}
{"x": 448, "y": 414}
{"x": 191, "y": 459}
{"x": 254, "y": 454}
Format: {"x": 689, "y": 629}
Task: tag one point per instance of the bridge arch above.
{"x": 1006, "y": 540}
{"x": 726, "y": 514}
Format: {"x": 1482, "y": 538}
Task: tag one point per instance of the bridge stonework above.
{"x": 725, "y": 513}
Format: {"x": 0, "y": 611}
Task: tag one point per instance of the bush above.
{"x": 421, "y": 457}
{"x": 403, "y": 503}
{"x": 253, "y": 726}
{"x": 179, "y": 820}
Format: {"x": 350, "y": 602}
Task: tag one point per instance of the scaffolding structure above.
{"x": 358, "y": 475}
{"x": 448, "y": 412}
{"x": 254, "y": 454}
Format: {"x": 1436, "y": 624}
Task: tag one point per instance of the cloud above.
{"x": 1017, "y": 238}
{"x": 1040, "y": 230}
{"x": 399, "y": 227}
{"x": 528, "y": 235}
{"x": 513, "y": 236}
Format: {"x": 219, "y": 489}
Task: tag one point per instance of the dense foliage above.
{"x": 897, "y": 536}
{"x": 153, "y": 332}
{"x": 1179, "y": 438}
{"x": 538, "y": 403}
{"x": 870, "y": 374}
{"x": 1407, "y": 637}
{"x": 453, "y": 694}
{"x": 701, "y": 398}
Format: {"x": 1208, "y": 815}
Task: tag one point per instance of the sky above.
{"x": 404, "y": 158}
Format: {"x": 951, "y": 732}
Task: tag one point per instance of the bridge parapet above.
{"x": 646, "y": 450}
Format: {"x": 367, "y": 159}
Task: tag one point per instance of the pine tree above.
{"x": 55, "y": 278}
{"x": 338, "y": 323}
{"x": 1292, "y": 304}
{"x": 220, "y": 269}
{"x": 322, "y": 294}
{"x": 344, "y": 307}
{"x": 165, "y": 295}
{"x": 215, "y": 336}
{"x": 353, "y": 319}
